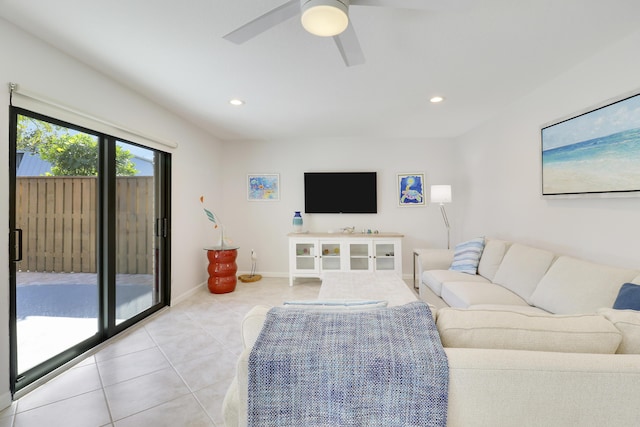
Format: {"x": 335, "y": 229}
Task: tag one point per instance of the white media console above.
{"x": 312, "y": 254}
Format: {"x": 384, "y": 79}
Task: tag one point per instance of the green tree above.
{"x": 69, "y": 154}
{"x": 33, "y": 132}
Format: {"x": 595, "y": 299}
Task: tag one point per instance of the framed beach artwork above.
{"x": 410, "y": 189}
{"x": 596, "y": 153}
{"x": 263, "y": 187}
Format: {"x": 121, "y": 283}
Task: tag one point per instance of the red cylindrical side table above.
{"x": 222, "y": 269}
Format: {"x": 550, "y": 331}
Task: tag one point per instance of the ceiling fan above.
{"x": 330, "y": 18}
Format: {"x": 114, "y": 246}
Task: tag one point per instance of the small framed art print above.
{"x": 410, "y": 188}
{"x": 263, "y": 187}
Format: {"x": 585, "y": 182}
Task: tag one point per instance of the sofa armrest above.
{"x": 235, "y": 403}
{"x": 496, "y": 387}
{"x": 252, "y": 324}
{"x": 434, "y": 259}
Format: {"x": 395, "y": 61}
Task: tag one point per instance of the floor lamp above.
{"x": 442, "y": 194}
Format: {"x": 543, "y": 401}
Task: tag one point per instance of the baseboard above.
{"x": 187, "y": 294}
{"x": 195, "y": 289}
{"x": 5, "y": 400}
{"x": 266, "y": 273}
{"x": 406, "y": 277}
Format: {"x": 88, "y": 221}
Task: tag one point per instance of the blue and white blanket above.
{"x": 384, "y": 367}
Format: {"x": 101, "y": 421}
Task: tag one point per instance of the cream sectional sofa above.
{"x": 523, "y": 278}
{"x": 530, "y": 340}
{"x": 498, "y": 387}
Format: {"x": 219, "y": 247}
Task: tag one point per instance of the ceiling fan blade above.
{"x": 349, "y": 47}
{"x": 414, "y": 4}
{"x": 264, "y": 22}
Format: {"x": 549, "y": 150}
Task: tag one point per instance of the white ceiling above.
{"x": 480, "y": 58}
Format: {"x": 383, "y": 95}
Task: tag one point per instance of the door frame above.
{"x": 105, "y": 249}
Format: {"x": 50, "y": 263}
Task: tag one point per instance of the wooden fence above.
{"x": 58, "y": 216}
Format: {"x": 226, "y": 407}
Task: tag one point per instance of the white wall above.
{"x": 502, "y": 161}
{"x": 196, "y": 163}
{"x": 263, "y": 226}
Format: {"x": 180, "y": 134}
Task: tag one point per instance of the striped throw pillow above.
{"x": 467, "y": 256}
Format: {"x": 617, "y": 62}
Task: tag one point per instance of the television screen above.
{"x": 340, "y": 192}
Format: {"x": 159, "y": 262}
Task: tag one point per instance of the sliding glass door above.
{"x": 89, "y": 241}
{"x": 136, "y": 276}
{"x": 56, "y": 281}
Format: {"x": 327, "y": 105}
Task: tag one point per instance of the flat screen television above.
{"x": 340, "y": 192}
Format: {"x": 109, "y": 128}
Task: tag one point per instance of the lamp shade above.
{"x": 440, "y": 194}
{"x": 325, "y": 18}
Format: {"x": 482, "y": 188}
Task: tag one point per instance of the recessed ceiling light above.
{"x": 236, "y": 102}
{"x": 436, "y": 99}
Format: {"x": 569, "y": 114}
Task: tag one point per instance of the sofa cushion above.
{"x": 492, "y": 255}
{"x": 464, "y": 294}
{"x": 435, "y": 278}
{"x": 628, "y": 297}
{"x": 628, "y": 323}
{"x": 577, "y": 286}
{"x": 494, "y": 329}
{"x": 466, "y": 256}
{"x": 522, "y": 268}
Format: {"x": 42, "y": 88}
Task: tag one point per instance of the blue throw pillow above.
{"x": 466, "y": 256}
{"x": 628, "y": 297}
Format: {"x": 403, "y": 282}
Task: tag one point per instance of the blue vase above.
{"x": 297, "y": 222}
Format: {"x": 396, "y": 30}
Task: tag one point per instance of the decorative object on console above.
{"x": 593, "y": 153}
{"x": 297, "y": 222}
{"x": 410, "y": 188}
{"x": 467, "y": 255}
{"x": 263, "y": 187}
{"x": 628, "y": 297}
{"x": 442, "y": 194}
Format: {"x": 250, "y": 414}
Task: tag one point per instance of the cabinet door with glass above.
{"x": 386, "y": 255}
{"x": 330, "y": 255}
{"x": 305, "y": 255}
{"x": 360, "y": 255}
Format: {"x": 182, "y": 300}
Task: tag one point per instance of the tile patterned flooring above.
{"x": 171, "y": 370}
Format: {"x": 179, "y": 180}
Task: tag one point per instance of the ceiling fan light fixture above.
{"x": 325, "y": 18}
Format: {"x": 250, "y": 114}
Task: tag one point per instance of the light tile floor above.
{"x": 171, "y": 370}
